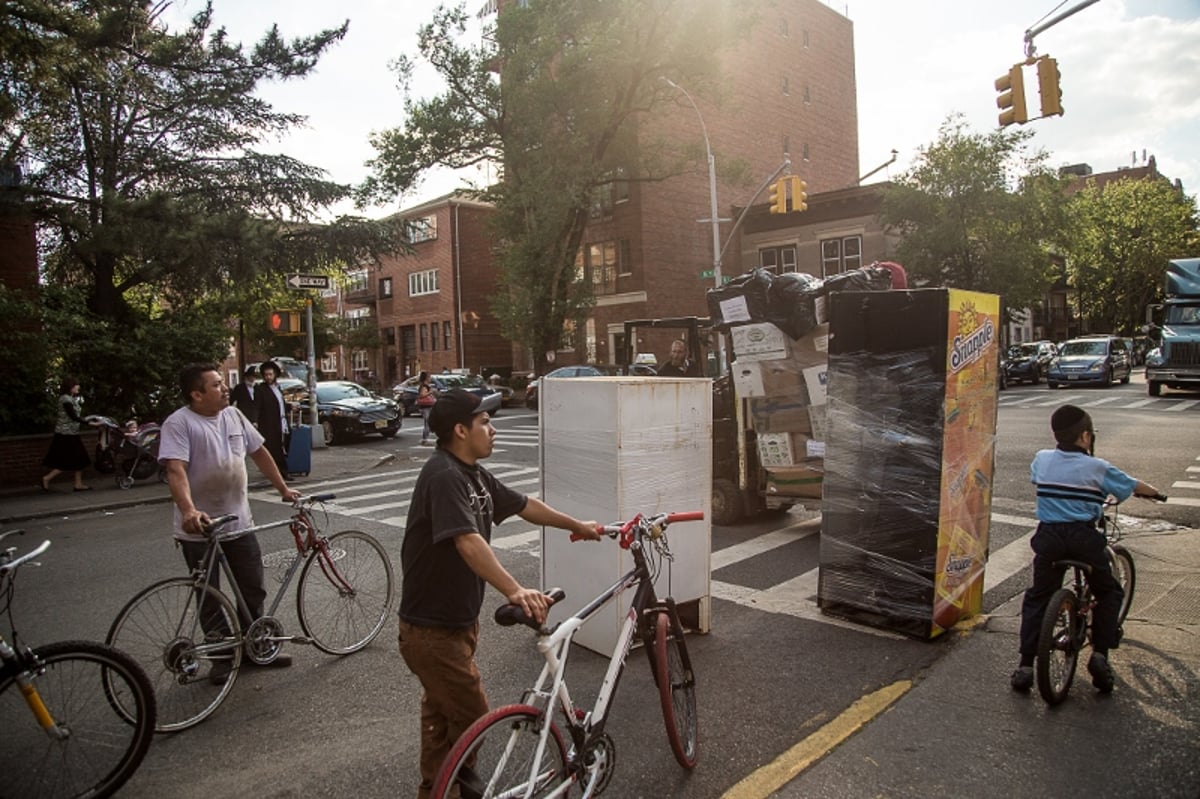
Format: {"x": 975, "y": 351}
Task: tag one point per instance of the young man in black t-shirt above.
{"x": 446, "y": 558}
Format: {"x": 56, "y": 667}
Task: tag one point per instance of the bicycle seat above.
{"x": 1074, "y": 564}
{"x": 509, "y": 614}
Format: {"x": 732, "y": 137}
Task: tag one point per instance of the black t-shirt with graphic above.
{"x": 450, "y": 499}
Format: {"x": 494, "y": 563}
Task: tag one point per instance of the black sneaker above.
{"x": 219, "y": 673}
{"x": 1022, "y": 678}
{"x": 1102, "y": 673}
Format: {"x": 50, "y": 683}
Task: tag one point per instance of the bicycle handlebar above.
{"x": 16, "y": 563}
{"x": 660, "y": 521}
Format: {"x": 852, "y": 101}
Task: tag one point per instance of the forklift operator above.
{"x": 679, "y": 364}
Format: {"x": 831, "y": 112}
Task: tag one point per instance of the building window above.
{"x": 804, "y": 37}
{"x": 804, "y": 151}
{"x": 807, "y": 96}
{"x": 625, "y": 262}
{"x": 356, "y": 316}
{"x": 421, "y": 229}
{"x": 385, "y": 287}
{"x": 433, "y": 336}
{"x": 389, "y": 335}
{"x": 424, "y": 337}
{"x": 778, "y": 260}
{"x": 446, "y": 336}
{"x": 360, "y": 361}
{"x": 602, "y": 264}
{"x": 423, "y": 283}
{"x": 840, "y": 255}
{"x": 786, "y": 90}
{"x": 356, "y": 281}
{"x": 602, "y": 202}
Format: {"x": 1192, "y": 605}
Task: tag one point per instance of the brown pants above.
{"x": 443, "y": 659}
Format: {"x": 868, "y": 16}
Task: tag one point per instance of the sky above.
{"x": 1130, "y": 79}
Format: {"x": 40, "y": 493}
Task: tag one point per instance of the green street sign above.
{"x": 707, "y": 273}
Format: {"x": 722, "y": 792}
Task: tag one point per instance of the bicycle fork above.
{"x": 29, "y": 691}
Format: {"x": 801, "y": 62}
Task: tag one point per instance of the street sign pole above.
{"x": 318, "y": 432}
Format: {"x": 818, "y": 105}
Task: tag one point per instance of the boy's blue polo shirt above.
{"x": 1072, "y": 486}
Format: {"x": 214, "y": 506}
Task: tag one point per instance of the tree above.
{"x": 1122, "y": 235}
{"x": 563, "y": 95}
{"x": 978, "y": 212}
{"x": 141, "y": 168}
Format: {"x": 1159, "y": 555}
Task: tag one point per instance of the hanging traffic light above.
{"x": 778, "y": 197}
{"x": 1050, "y": 86}
{"x": 1011, "y": 101}
{"x": 285, "y": 322}
{"x": 799, "y": 194}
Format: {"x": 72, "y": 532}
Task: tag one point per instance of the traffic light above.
{"x": 285, "y": 322}
{"x": 778, "y": 198}
{"x": 799, "y": 194}
{"x": 1050, "y": 86}
{"x": 1011, "y": 101}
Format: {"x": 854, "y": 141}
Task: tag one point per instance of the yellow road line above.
{"x": 786, "y": 767}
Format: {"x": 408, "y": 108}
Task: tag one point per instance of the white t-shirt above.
{"x": 214, "y": 449}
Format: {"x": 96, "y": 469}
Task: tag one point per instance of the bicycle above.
{"x": 519, "y": 751}
{"x": 179, "y": 626}
{"x": 77, "y": 716}
{"x": 1067, "y": 625}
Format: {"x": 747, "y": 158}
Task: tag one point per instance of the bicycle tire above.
{"x": 676, "y": 688}
{"x": 1125, "y": 573}
{"x": 484, "y": 754}
{"x": 1058, "y": 646}
{"x": 160, "y": 629}
{"x": 339, "y": 621}
{"x": 80, "y": 683}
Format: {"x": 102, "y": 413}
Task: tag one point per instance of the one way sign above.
{"x": 308, "y": 281}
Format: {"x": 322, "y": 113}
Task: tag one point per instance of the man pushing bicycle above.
{"x": 1072, "y": 485}
{"x": 446, "y": 558}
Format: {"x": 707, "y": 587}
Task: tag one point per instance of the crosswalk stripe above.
{"x": 1103, "y": 401}
{"x": 1183, "y": 405}
{"x": 1139, "y": 404}
{"x": 758, "y": 545}
{"x": 1191, "y": 485}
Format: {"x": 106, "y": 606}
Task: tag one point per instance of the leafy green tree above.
{"x": 564, "y": 96}
{"x": 143, "y": 173}
{"x": 1122, "y": 235}
{"x": 979, "y": 212}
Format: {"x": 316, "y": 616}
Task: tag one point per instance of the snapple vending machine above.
{"x": 909, "y": 458}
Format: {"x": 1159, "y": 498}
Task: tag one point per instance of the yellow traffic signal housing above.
{"x": 778, "y": 197}
{"x": 285, "y": 322}
{"x": 799, "y": 194}
{"x": 1050, "y": 86}
{"x": 1011, "y": 101}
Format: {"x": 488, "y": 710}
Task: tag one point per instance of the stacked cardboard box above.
{"x": 784, "y": 381}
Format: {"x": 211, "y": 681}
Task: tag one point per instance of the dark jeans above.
{"x": 443, "y": 659}
{"x": 1070, "y": 541}
{"x": 245, "y": 561}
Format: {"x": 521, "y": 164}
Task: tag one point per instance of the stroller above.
{"x": 131, "y": 451}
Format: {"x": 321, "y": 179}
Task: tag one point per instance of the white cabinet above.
{"x": 612, "y": 447}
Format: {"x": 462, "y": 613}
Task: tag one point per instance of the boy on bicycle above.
{"x": 1072, "y": 485}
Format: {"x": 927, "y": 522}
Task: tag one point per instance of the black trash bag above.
{"x": 868, "y": 278}
{"x": 793, "y": 306}
{"x": 753, "y": 287}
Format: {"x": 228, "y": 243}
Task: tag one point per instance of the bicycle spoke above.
{"x": 345, "y": 592}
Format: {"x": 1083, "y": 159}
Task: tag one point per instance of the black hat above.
{"x": 262, "y": 367}
{"x": 455, "y": 406}
{"x": 1068, "y": 422}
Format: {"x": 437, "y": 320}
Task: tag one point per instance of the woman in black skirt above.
{"x": 67, "y": 453}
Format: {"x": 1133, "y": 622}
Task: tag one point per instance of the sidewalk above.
{"x": 961, "y": 731}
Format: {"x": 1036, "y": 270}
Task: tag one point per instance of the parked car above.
{"x": 581, "y": 370}
{"x": 405, "y": 392}
{"x": 1091, "y": 359}
{"x": 347, "y": 410}
{"x": 1029, "y": 361}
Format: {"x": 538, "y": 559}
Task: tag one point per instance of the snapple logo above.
{"x": 967, "y": 349}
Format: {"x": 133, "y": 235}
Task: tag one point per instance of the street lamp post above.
{"x": 713, "y": 217}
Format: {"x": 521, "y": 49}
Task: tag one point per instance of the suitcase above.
{"x": 299, "y": 454}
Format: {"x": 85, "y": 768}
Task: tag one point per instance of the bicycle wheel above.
{"x": 676, "y": 688}
{"x": 1058, "y": 649}
{"x": 1122, "y": 569}
{"x": 345, "y": 593}
{"x": 498, "y": 756}
{"x": 97, "y": 747}
{"x": 161, "y": 628}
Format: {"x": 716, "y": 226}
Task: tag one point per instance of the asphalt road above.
{"x": 772, "y": 670}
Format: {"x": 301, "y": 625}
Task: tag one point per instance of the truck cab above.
{"x": 1175, "y": 362}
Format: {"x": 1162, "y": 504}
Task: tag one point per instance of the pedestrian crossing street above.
{"x": 1122, "y": 400}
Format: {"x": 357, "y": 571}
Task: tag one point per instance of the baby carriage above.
{"x": 110, "y": 436}
{"x": 138, "y": 455}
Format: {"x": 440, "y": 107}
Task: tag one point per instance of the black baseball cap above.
{"x": 455, "y": 406}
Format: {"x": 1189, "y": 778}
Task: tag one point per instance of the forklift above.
{"x": 739, "y": 482}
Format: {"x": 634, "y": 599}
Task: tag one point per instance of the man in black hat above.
{"x": 1072, "y": 485}
{"x": 242, "y": 395}
{"x": 271, "y": 414}
{"x": 446, "y": 558}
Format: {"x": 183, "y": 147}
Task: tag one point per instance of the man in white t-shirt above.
{"x": 203, "y": 447}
